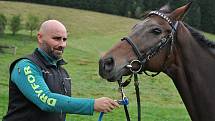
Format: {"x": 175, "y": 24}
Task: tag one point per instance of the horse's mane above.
{"x": 200, "y": 37}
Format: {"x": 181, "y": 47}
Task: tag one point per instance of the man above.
{"x": 40, "y": 89}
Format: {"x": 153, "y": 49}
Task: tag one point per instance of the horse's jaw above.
{"x": 114, "y": 75}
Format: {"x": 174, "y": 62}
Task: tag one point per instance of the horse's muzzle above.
{"x": 106, "y": 66}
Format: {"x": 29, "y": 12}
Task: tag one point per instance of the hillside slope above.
{"x": 90, "y": 34}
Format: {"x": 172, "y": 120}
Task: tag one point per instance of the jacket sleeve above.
{"x": 29, "y": 79}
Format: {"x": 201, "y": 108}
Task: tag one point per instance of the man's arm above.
{"x": 29, "y": 79}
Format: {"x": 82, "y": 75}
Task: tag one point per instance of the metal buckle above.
{"x": 131, "y": 65}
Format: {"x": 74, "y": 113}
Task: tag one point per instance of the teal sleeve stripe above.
{"x": 28, "y": 78}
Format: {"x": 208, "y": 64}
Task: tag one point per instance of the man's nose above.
{"x": 62, "y": 43}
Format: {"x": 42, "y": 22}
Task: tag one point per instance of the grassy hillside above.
{"x": 90, "y": 34}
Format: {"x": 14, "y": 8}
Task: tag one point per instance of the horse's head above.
{"x": 147, "y": 47}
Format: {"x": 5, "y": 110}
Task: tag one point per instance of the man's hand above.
{"x": 105, "y": 104}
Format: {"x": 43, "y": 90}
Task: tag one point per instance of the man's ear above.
{"x": 39, "y": 37}
{"x": 179, "y": 13}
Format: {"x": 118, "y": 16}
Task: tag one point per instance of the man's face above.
{"x": 53, "y": 42}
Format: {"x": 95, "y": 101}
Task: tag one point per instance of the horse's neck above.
{"x": 193, "y": 75}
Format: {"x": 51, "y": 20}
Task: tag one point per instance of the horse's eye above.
{"x": 156, "y": 31}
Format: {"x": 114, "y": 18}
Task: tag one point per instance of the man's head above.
{"x": 52, "y": 38}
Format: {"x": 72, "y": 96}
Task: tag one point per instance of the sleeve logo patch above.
{"x": 40, "y": 93}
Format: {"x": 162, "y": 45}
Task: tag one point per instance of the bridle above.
{"x": 142, "y": 59}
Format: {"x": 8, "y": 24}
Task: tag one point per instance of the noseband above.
{"x": 143, "y": 58}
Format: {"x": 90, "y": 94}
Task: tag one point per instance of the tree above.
{"x": 207, "y": 11}
{"x": 3, "y": 22}
{"x": 15, "y": 24}
{"x": 32, "y": 23}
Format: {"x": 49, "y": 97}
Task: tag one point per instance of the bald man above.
{"x": 40, "y": 88}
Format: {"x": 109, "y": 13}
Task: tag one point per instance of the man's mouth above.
{"x": 59, "y": 50}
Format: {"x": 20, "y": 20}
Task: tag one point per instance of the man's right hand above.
{"x": 105, "y": 104}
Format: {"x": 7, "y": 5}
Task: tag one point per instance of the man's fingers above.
{"x": 113, "y": 103}
{"x": 105, "y": 104}
{"x": 116, "y": 104}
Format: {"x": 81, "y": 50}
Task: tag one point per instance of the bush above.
{"x": 15, "y": 24}
{"x": 32, "y": 23}
{"x": 3, "y": 22}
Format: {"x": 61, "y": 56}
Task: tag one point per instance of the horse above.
{"x": 162, "y": 42}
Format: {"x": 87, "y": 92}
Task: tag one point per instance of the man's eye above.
{"x": 56, "y": 38}
{"x": 64, "y": 39}
{"x": 59, "y": 38}
{"x": 156, "y": 31}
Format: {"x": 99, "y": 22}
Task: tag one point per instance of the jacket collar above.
{"x": 49, "y": 61}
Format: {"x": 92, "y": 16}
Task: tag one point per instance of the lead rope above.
{"x": 136, "y": 84}
{"x": 121, "y": 89}
{"x": 101, "y": 116}
{"x": 123, "y": 102}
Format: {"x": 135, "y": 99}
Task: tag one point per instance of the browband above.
{"x": 162, "y": 16}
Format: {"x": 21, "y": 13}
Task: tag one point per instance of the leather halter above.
{"x": 143, "y": 58}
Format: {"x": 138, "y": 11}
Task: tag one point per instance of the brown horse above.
{"x": 163, "y": 43}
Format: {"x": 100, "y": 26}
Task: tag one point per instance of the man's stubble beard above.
{"x": 51, "y": 52}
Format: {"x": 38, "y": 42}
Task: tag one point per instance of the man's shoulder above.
{"x": 24, "y": 62}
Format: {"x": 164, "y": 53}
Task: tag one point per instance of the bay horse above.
{"x": 162, "y": 42}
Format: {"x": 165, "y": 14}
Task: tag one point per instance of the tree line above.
{"x": 14, "y": 24}
{"x": 201, "y": 15}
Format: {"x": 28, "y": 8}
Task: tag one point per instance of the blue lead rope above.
{"x": 120, "y": 102}
{"x": 100, "y": 116}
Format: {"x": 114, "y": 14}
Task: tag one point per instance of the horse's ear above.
{"x": 178, "y": 14}
{"x": 165, "y": 8}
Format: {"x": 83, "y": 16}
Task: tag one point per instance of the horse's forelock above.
{"x": 165, "y": 9}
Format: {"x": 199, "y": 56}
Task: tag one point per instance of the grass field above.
{"x": 91, "y": 34}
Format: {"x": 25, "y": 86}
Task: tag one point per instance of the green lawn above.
{"x": 90, "y": 35}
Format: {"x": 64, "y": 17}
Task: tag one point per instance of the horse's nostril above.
{"x": 108, "y": 64}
